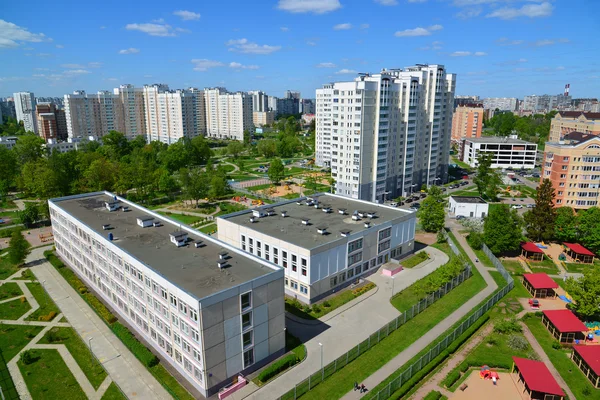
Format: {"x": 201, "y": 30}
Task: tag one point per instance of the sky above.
{"x": 497, "y": 48}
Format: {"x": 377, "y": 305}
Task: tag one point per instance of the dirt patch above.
{"x": 39, "y": 237}
{"x": 279, "y": 191}
{"x": 427, "y": 238}
{"x": 478, "y": 388}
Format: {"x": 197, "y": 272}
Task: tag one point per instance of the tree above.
{"x": 589, "y": 228}
{"x": 235, "y": 148}
{"x": 219, "y": 186}
{"x": 9, "y": 169}
{"x": 115, "y": 144}
{"x": 502, "y": 229}
{"x": 565, "y": 225}
{"x": 431, "y": 214}
{"x": 487, "y": 179}
{"x": 276, "y": 171}
{"x": 585, "y": 292}
{"x": 18, "y": 248}
{"x": 267, "y": 148}
{"x": 30, "y": 215}
{"x": 195, "y": 184}
{"x": 539, "y": 222}
{"x": 100, "y": 175}
{"x": 29, "y": 148}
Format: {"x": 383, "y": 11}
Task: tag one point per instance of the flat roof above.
{"x": 292, "y": 230}
{"x": 192, "y": 269}
{"x": 469, "y": 199}
{"x": 591, "y": 356}
{"x": 565, "y": 321}
{"x": 537, "y": 376}
{"x": 497, "y": 140}
{"x": 540, "y": 281}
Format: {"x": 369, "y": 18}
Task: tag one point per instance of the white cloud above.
{"x": 112, "y": 79}
{"x": 152, "y": 29}
{"x": 470, "y": 12}
{"x": 147, "y": 76}
{"x": 507, "y": 42}
{"x": 311, "y": 43}
{"x": 460, "y": 54}
{"x": 38, "y": 75}
{"x": 244, "y": 46}
{"x": 94, "y": 65}
{"x": 364, "y": 26}
{"x": 131, "y": 50}
{"x": 480, "y": 54}
{"x": 103, "y": 27}
{"x": 346, "y": 71}
{"x": 417, "y": 1}
{"x": 543, "y": 42}
{"x": 12, "y": 35}
{"x": 342, "y": 27}
{"x": 60, "y": 46}
{"x": 309, "y": 6}
{"x": 529, "y": 10}
{"x": 237, "y": 65}
{"x": 202, "y": 64}
{"x": 73, "y": 66}
{"x": 76, "y": 72}
{"x": 513, "y": 62}
{"x": 187, "y": 15}
{"x": 326, "y": 65}
{"x": 42, "y": 69}
{"x": 284, "y": 29}
{"x": 387, "y": 2}
{"x": 418, "y": 31}
{"x": 560, "y": 68}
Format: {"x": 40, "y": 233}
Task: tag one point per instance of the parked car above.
{"x": 530, "y": 205}
{"x": 394, "y": 204}
{"x": 521, "y": 199}
{"x": 423, "y": 195}
{"x": 465, "y": 183}
{"x": 443, "y": 189}
{"x": 460, "y": 217}
{"x": 516, "y": 206}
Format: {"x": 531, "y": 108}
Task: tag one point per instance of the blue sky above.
{"x": 496, "y": 47}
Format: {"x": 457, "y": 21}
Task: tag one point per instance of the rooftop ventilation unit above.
{"x": 145, "y": 221}
{"x": 253, "y": 220}
{"x": 322, "y": 230}
{"x": 157, "y": 224}
{"x": 259, "y": 213}
{"x": 111, "y": 205}
{"x": 300, "y": 203}
{"x": 179, "y": 238}
{"x": 342, "y": 211}
{"x": 199, "y": 244}
{"x": 326, "y": 209}
{"x": 284, "y": 213}
{"x": 355, "y": 216}
{"x": 223, "y": 255}
{"x": 316, "y": 204}
{"x": 361, "y": 214}
{"x": 221, "y": 264}
{"x": 345, "y": 232}
{"x": 305, "y": 221}
{"x": 270, "y": 211}
{"x": 125, "y": 208}
{"x": 367, "y": 224}
{"x": 371, "y": 214}
{"x": 105, "y": 227}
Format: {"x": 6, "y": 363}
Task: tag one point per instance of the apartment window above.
{"x": 294, "y": 284}
{"x": 186, "y": 346}
{"x": 354, "y": 258}
{"x": 195, "y": 335}
{"x": 243, "y": 242}
{"x": 247, "y": 339}
{"x": 187, "y": 365}
{"x": 385, "y": 233}
{"x": 246, "y": 300}
{"x": 248, "y": 358}
{"x": 355, "y": 245}
{"x": 365, "y": 266}
{"x": 178, "y": 357}
{"x": 177, "y": 339}
{"x": 163, "y": 293}
{"x": 303, "y": 289}
{"x": 284, "y": 255}
{"x": 183, "y": 308}
{"x": 333, "y": 281}
{"x": 173, "y": 300}
{"x": 246, "y": 320}
{"x": 194, "y": 315}
{"x": 350, "y": 273}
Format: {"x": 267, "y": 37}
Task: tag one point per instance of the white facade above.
{"x": 501, "y": 103}
{"x": 170, "y": 115}
{"x": 228, "y": 115}
{"x": 25, "y": 110}
{"x": 469, "y": 207}
{"x": 69, "y": 145}
{"x": 8, "y": 142}
{"x": 507, "y": 152}
{"x": 386, "y": 134}
{"x": 260, "y": 101}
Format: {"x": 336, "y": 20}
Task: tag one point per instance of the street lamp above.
{"x": 322, "y": 370}
{"x": 393, "y": 280}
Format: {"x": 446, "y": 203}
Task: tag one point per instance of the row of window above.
{"x": 271, "y": 253}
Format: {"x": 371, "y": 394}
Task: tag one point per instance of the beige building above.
{"x": 51, "y": 122}
{"x": 228, "y": 115}
{"x": 93, "y": 114}
{"x": 263, "y": 118}
{"x": 573, "y": 121}
{"x": 573, "y": 167}
{"x": 131, "y": 99}
{"x": 169, "y": 115}
{"x": 467, "y": 123}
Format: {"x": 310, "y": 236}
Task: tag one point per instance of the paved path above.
{"x": 345, "y": 329}
{"x": 121, "y": 365}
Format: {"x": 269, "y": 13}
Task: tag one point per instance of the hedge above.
{"x": 136, "y": 347}
{"x": 278, "y": 366}
{"x": 433, "y": 395}
{"x": 452, "y": 377}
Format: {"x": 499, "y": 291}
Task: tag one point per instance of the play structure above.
{"x": 46, "y": 237}
{"x": 487, "y": 373}
{"x": 534, "y": 304}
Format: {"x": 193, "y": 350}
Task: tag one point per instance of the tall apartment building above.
{"x": 272, "y": 103}
{"x": 170, "y": 114}
{"x": 467, "y": 122}
{"x": 131, "y": 99}
{"x": 7, "y": 107}
{"x": 51, "y": 122}
{"x": 507, "y": 152}
{"x": 208, "y": 309}
{"x": 290, "y": 104}
{"x": 467, "y": 100}
{"x": 307, "y": 106}
{"x": 384, "y": 135}
{"x": 263, "y": 118}
{"x": 260, "y": 101}
{"x": 501, "y": 103}
{"x": 25, "y": 110}
{"x": 228, "y": 115}
{"x": 93, "y": 114}
{"x": 292, "y": 94}
{"x": 573, "y": 167}
{"x": 565, "y": 122}
{"x": 546, "y": 102}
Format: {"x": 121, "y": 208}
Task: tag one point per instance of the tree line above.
{"x": 533, "y": 128}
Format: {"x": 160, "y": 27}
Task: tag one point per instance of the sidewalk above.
{"x": 121, "y": 365}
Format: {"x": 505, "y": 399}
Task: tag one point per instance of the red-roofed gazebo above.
{"x": 531, "y": 251}
{"x": 579, "y": 253}
{"x": 537, "y": 379}
{"x": 540, "y": 285}
{"x": 564, "y": 325}
{"x": 587, "y": 359}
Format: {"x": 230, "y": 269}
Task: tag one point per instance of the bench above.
{"x": 463, "y": 387}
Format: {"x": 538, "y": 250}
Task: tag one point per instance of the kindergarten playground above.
{"x": 478, "y": 387}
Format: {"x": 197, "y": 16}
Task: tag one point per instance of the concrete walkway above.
{"x": 121, "y": 365}
{"x": 344, "y": 329}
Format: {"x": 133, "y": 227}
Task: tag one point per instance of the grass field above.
{"x": 228, "y": 208}
{"x": 43, "y": 299}
{"x": 14, "y": 309}
{"x": 48, "y": 377}
{"x": 10, "y": 289}
{"x": 14, "y": 337}
{"x": 211, "y": 228}
{"x": 259, "y": 187}
{"x": 580, "y": 267}
{"x": 6, "y": 268}
{"x": 113, "y": 393}
{"x": 514, "y": 267}
{"x": 184, "y": 219}
{"x": 415, "y": 260}
{"x": 546, "y": 266}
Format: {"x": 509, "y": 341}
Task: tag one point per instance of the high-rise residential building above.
{"x": 467, "y": 122}
{"x": 292, "y": 94}
{"x": 565, "y": 122}
{"x": 573, "y": 167}
{"x": 260, "y": 101}
{"x": 170, "y": 114}
{"x": 51, "y": 122}
{"x": 131, "y": 100}
{"x": 7, "y": 107}
{"x": 228, "y": 115}
{"x": 546, "y": 102}
{"x": 263, "y": 118}
{"x": 290, "y": 104}
{"x": 467, "y": 100}
{"x": 25, "y": 110}
{"x": 93, "y": 114}
{"x": 272, "y": 103}
{"x": 307, "y": 106}
{"x": 501, "y": 103}
{"x": 387, "y": 134}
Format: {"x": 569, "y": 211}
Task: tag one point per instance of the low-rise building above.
{"x": 468, "y": 206}
{"x": 207, "y": 309}
{"x": 261, "y": 118}
{"x": 8, "y": 142}
{"x": 323, "y": 242}
{"x": 508, "y": 152}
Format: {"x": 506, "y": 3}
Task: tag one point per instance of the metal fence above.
{"x": 8, "y": 391}
{"x": 318, "y": 376}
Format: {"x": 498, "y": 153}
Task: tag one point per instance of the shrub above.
{"x": 508, "y": 326}
{"x": 464, "y": 367}
{"x": 277, "y": 367}
{"x": 28, "y": 357}
{"x": 83, "y": 290}
{"x": 556, "y": 345}
{"x": 316, "y": 309}
{"x": 475, "y": 240}
{"x": 52, "y": 336}
{"x": 137, "y": 348}
{"x": 49, "y": 317}
{"x": 22, "y": 299}
{"x": 29, "y": 334}
{"x": 433, "y": 395}
{"x": 306, "y": 309}
{"x": 517, "y": 343}
{"x": 326, "y": 304}
{"x": 492, "y": 340}
{"x": 451, "y": 378}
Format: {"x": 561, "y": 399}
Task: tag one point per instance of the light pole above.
{"x": 322, "y": 370}
{"x": 393, "y": 280}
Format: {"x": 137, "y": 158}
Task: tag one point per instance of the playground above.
{"x": 479, "y": 388}
{"x": 35, "y": 237}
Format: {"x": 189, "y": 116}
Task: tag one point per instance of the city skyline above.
{"x": 299, "y": 45}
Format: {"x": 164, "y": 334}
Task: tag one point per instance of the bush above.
{"x": 137, "y": 348}
{"x": 475, "y": 240}
{"x": 508, "y": 326}
{"x": 433, "y": 395}
{"x": 52, "y": 336}
{"x": 83, "y": 290}
{"x": 326, "y": 304}
{"x": 28, "y": 357}
{"x": 49, "y": 317}
{"x": 22, "y": 299}
{"x": 316, "y": 309}
{"x": 556, "y": 345}
{"x": 306, "y": 309}
{"x": 357, "y": 292}
{"x": 451, "y": 378}
{"x": 492, "y": 340}
{"x": 517, "y": 343}
{"x": 277, "y": 367}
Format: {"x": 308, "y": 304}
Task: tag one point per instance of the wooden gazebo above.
{"x": 587, "y": 358}
{"x": 564, "y": 325}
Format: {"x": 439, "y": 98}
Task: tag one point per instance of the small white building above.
{"x": 507, "y": 152}
{"x": 468, "y": 206}
{"x": 145, "y": 221}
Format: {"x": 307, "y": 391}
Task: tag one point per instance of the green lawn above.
{"x": 13, "y": 215}
{"x": 14, "y": 337}
{"x": 514, "y": 267}
{"x": 79, "y": 350}
{"x": 208, "y": 229}
{"x": 26, "y": 275}
{"x": 580, "y": 267}
{"x": 414, "y": 260}
{"x": 113, "y": 393}
{"x": 170, "y": 383}
{"x": 183, "y": 218}
{"x": 577, "y": 382}
{"x": 483, "y": 258}
{"x": 6, "y": 268}
{"x": 43, "y": 299}
{"x": 546, "y": 266}
{"x": 14, "y": 309}
{"x": 9, "y": 289}
{"x": 461, "y": 164}
{"x": 241, "y": 177}
{"x": 228, "y": 208}
{"x": 49, "y": 377}
{"x": 9, "y": 391}
{"x": 205, "y": 208}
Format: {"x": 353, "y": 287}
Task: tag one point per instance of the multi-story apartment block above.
{"x": 263, "y": 118}
{"x": 8, "y": 142}
{"x": 93, "y": 114}
{"x": 272, "y": 104}
{"x": 573, "y": 167}
{"x": 51, "y": 122}
{"x": 170, "y": 114}
{"x": 131, "y": 99}
{"x": 207, "y": 309}
{"x": 288, "y": 106}
{"x": 467, "y": 100}
{"x": 260, "y": 101}
{"x": 307, "y": 106}
{"x": 25, "y": 110}
{"x": 386, "y": 134}
{"x": 323, "y": 242}
{"x": 501, "y": 103}
{"x": 508, "y": 152}
{"x": 546, "y": 102}
{"x": 467, "y": 122}
{"x": 69, "y": 144}
{"x": 7, "y": 107}
{"x": 228, "y": 115}
{"x": 565, "y": 122}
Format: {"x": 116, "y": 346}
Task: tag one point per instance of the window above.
{"x": 354, "y": 258}
{"x": 248, "y": 358}
{"x": 177, "y": 339}
{"x": 365, "y": 266}
{"x": 385, "y": 233}
{"x": 303, "y": 289}
{"x": 383, "y": 246}
{"x": 194, "y": 315}
{"x": 355, "y": 245}
{"x": 303, "y": 271}
{"x": 183, "y": 308}
{"x": 294, "y": 284}
{"x": 247, "y": 339}
{"x": 246, "y": 320}
{"x": 178, "y": 356}
{"x": 173, "y": 300}
{"x": 246, "y": 300}
{"x": 350, "y": 273}
{"x": 333, "y": 281}
{"x": 187, "y": 365}
{"x": 357, "y": 270}
{"x": 163, "y": 293}
{"x": 284, "y": 255}
{"x": 195, "y": 335}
